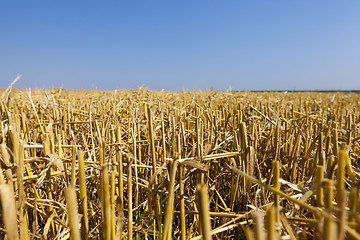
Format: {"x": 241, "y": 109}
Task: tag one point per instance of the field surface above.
{"x": 141, "y": 164}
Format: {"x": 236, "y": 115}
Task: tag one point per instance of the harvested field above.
{"x": 141, "y": 164}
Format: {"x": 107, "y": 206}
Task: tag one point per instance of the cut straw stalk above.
{"x": 9, "y": 211}
{"x": 72, "y": 209}
{"x": 270, "y": 223}
{"x": 169, "y": 214}
{"x": 106, "y": 198}
{"x": 157, "y": 209}
{"x": 120, "y": 202}
{"x": 276, "y": 184}
{"x": 130, "y": 205}
{"x": 319, "y": 189}
{"x": 83, "y": 196}
{"x": 204, "y": 211}
{"x": 113, "y": 204}
{"x": 328, "y": 193}
{"x": 182, "y": 203}
{"x": 330, "y": 231}
{"x": 24, "y": 234}
{"x": 73, "y": 170}
{"x": 340, "y": 181}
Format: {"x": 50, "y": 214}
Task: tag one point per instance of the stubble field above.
{"x": 141, "y": 164}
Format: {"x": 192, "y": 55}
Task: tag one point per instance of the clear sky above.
{"x": 181, "y": 44}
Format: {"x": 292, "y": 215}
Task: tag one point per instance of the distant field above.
{"x": 141, "y": 164}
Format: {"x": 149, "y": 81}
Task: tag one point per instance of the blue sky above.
{"x": 181, "y": 44}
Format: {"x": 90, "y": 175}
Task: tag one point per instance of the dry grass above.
{"x": 140, "y": 164}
